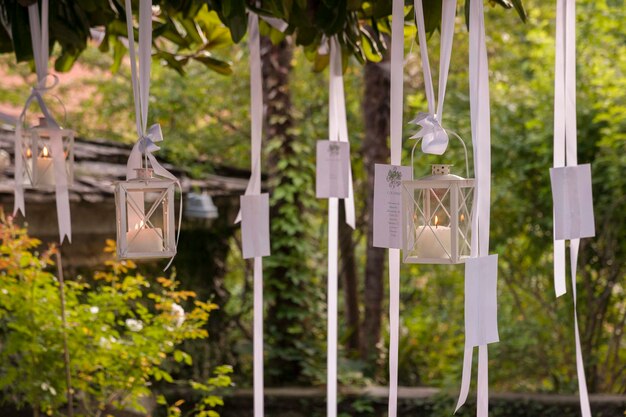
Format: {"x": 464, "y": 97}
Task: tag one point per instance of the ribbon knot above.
{"x": 147, "y": 141}
{"x": 434, "y": 136}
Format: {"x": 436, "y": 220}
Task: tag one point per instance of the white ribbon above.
{"x": 435, "y": 139}
{"x": 337, "y": 120}
{"x": 140, "y": 77}
{"x": 40, "y": 43}
{"x": 481, "y": 140}
{"x": 256, "y": 107}
{"x": 565, "y": 153}
{"x": 254, "y": 188}
{"x": 337, "y": 131}
{"x": 395, "y": 138}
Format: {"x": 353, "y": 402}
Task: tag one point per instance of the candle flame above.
{"x": 29, "y": 153}
{"x": 44, "y": 152}
{"x": 436, "y": 221}
{"x": 462, "y": 217}
{"x": 139, "y": 225}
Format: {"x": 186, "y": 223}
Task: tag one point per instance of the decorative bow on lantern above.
{"x": 434, "y": 136}
{"x": 144, "y": 148}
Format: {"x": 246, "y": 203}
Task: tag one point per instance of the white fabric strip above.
{"x": 256, "y": 107}
{"x": 337, "y": 131}
{"x": 338, "y": 123}
{"x": 559, "y": 134}
{"x": 331, "y": 348}
{"x": 254, "y": 188}
{"x": 481, "y": 140}
{"x": 395, "y": 138}
{"x": 258, "y": 337}
{"x": 565, "y": 154}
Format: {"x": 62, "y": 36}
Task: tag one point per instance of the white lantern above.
{"x": 38, "y": 155}
{"x": 145, "y": 217}
{"x": 436, "y": 219}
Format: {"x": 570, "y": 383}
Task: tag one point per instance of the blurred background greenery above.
{"x": 204, "y": 116}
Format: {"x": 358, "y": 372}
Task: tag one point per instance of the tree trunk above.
{"x": 292, "y": 323}
{"x": 375, "y": 150}
{"x": 350, "y": 283}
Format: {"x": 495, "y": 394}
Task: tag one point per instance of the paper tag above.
{"x": 481, "y": 300}
{"x": 573, "y": 202}
{"x": 255, "y": 225}
{"x": 388, "y": 204}
{"x": 332, "y": 169}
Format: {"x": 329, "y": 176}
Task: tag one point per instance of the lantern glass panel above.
{"x": 437, "y": 216}
{"x": 145, "y": 219}
{"x": 27, "y": 158}
{"x": 42, "y": 165}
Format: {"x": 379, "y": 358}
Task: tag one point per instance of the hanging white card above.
{"x": 481, "y": 300}
{"x": 573, "y": 202}
{"x": 332, "y": 169}
{"x": 387, "y": 204}
{"x": 255, "y": 225}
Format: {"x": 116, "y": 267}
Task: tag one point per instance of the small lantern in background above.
{"x": 436, "y": 219}
{"x": 145, "y": 216}
{"x": 200, "y": 206}
{"x": 38, "y": 154}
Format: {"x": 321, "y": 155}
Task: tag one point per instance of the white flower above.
{"x": 94, "y": 309}
{"x": 5, "y": 291}
{"x": 47, "y": 387}
{"x": 179, "y": 314}
{"x": 134, "y": 325}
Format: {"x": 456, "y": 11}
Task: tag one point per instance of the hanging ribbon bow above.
{"x": 435, "y": 138}
{"x": 145, "y": 145}
{"x": 40, "y": 43}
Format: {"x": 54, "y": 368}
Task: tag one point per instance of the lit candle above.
{"x": 144, "y": 239}
{"x": 433, "y": 242}
{"x": 45, "y": 170}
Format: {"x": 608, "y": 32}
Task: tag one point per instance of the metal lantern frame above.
{"x": 423, "y": 240}
{"x": 130, "y": 201}
{"x": 41, "y": 150}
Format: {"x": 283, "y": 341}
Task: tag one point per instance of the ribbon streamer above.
{"x": 40, "y": 44}
{"x": 254, "y": 188}
{"x": 140, "y": 77}
{"x": 338, "y": 125}
{"x": 435, "y": 139}
{"x": 395, "y": 138}
{"x": 565, "y": 153}
{"x": 481, "y": 140}
{"x": 337, "y": 131}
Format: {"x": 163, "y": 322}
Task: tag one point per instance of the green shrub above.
{"x": 123, "y": 331}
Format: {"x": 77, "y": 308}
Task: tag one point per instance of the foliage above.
{"x": 182, "y": 32}
{"x": 124, "y": 333}
{"x": 187, "y": 31}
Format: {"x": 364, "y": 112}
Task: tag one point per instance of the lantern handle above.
{"x": 453, "y": 134}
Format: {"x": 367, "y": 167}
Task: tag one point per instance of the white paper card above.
{"x": 481, "y": 300}
{"x": 332, "y": 169}
{"x": 388, "y": 204}
{"x": 255, "y": 225}
{"x": 573, "y": 202}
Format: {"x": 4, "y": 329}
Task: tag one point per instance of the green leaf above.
{"x": 214, "y": 64}
{"x": 65, "y": 62}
